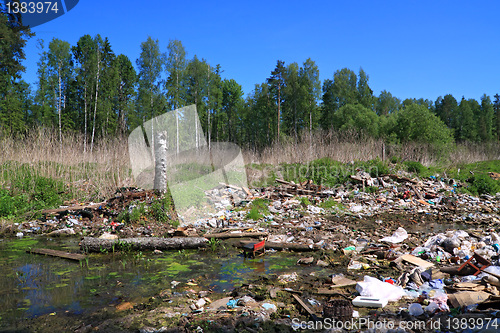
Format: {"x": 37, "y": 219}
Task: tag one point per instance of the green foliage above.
{"x": 371, "y": 189}
{"x": 413, "y": 166}
{"x": 259, "y": 208}
{"x": 254, "y": 214}
{"x": 375, "y": 167}
{"x": 304, "y": 201}
{"x": 27, "y": 191}
{"x": 213, "y": 244}
{"x": 328, "y": 172}
{"x": 160, "y": 208}
{"x": 330, "y": 203}
{"x": 416, "y": 123}
{"x": 137, "y": 212}
{"x": 484, "y": 184}
{"x": 356, "y": 117}
{"x": 123, "y": 217}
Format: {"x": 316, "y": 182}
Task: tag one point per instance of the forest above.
{"x": 88, "y": 89}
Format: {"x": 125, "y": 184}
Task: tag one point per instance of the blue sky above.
{"x": 410, "y": 48}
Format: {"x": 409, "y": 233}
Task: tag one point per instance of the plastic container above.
{"x": 369, "y": 302}
{"x": 415, "y": 309}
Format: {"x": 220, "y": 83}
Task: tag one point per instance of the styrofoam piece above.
{"x": 369, "y": 302}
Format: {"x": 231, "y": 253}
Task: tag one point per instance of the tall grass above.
{"x": 351, "y": 146}
{"x": 87, "y": 175}
{"x": 96, "y": 175}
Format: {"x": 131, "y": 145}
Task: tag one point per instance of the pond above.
{"x": 33, "y": 285}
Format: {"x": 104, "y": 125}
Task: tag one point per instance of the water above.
{"x": 32, "y": 284}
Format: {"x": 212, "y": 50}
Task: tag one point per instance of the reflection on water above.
{"x": 31, "y": 285}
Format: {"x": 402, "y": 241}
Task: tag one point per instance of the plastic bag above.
{"x": 397, "y": 237}
{"x": 372, "y": 287}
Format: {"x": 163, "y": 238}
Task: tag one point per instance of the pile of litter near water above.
{"x": 401, "y": 250}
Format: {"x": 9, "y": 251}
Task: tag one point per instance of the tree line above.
{"x": 87, "y": 88}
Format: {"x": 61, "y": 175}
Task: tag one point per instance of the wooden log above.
{"x": 73, "y": 208}
{"x": 225, "y": 235}
{"x": 234, "y": 187}
{"x": 60, "y": 254}
{"x": 284, "y": 246}
{"x": 401, "y": 178}
{"x": 92, "y": 244}
{"x": 419, "y": 195}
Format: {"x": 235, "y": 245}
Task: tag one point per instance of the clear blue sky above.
{"x": 410, "y": 48}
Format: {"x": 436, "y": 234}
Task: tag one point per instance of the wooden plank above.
{"x": 247, "y": 191}
{"x": 415, "y": 261}
{"x": 340, "y": 281}
{"x": 56, "y": 253}
{"x": 326, "y": 291}
{"x": 297, "y": 298}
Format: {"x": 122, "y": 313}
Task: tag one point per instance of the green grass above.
{"x": 330, "y": 173}
{"x": 258, "y": 208}
{"x": 475, "y": 177}
{"x": 24, "y": 191}
{"x": 332, "y": 204}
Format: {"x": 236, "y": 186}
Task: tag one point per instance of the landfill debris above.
{"x": 397, "y": 237}
{"x": 369, "y": 302}
{"x": 374, "y": 288}
{"x": 399, "y": 240}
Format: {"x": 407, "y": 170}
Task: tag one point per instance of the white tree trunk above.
{"x": 160, "y": 144}
{"x": 85, "y": 135}
{"x": 59, "y": 109}
{"x": 95, "y": 105}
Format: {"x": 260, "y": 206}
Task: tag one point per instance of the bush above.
{"x": 254, "y": 214}
{"x": 413, "y": 166}
{"x": 375, "y": 168}
{"x": 484, "y": 184}
{"x": 416, "y": 123}
{"x": 160, "y": 208}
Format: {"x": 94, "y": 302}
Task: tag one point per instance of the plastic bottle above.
{"x": 415, "y": 309}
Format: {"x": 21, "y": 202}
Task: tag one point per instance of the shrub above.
{"x": 413, "y": 166}
{"x": 254, "y": 214}
{"x": 483, "y": 184}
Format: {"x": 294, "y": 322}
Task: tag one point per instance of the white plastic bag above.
{"x": 372, "y": 287}
{"x": 397, "y": 237}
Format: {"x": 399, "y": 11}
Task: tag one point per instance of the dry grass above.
{"x": 97, "y": 173}
{"x": 351, "y": 146}
{"x": 343, "y": 147}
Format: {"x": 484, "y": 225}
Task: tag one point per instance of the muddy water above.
{"x": 32, "y": 285}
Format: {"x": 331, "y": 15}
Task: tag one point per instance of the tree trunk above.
{"x": 85, "y": 107}
{"x": 59, "y": 109}
{"x": 95, "y": 105}
{"x": 208, "y": 110}
{"x": 224, "y": 235}
{"x": 160, "y": 144}
{"x": 91, "y": 244}
{"x": 279, "y": 111}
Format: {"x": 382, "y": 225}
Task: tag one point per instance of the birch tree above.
{"x": 59, "y": 62}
